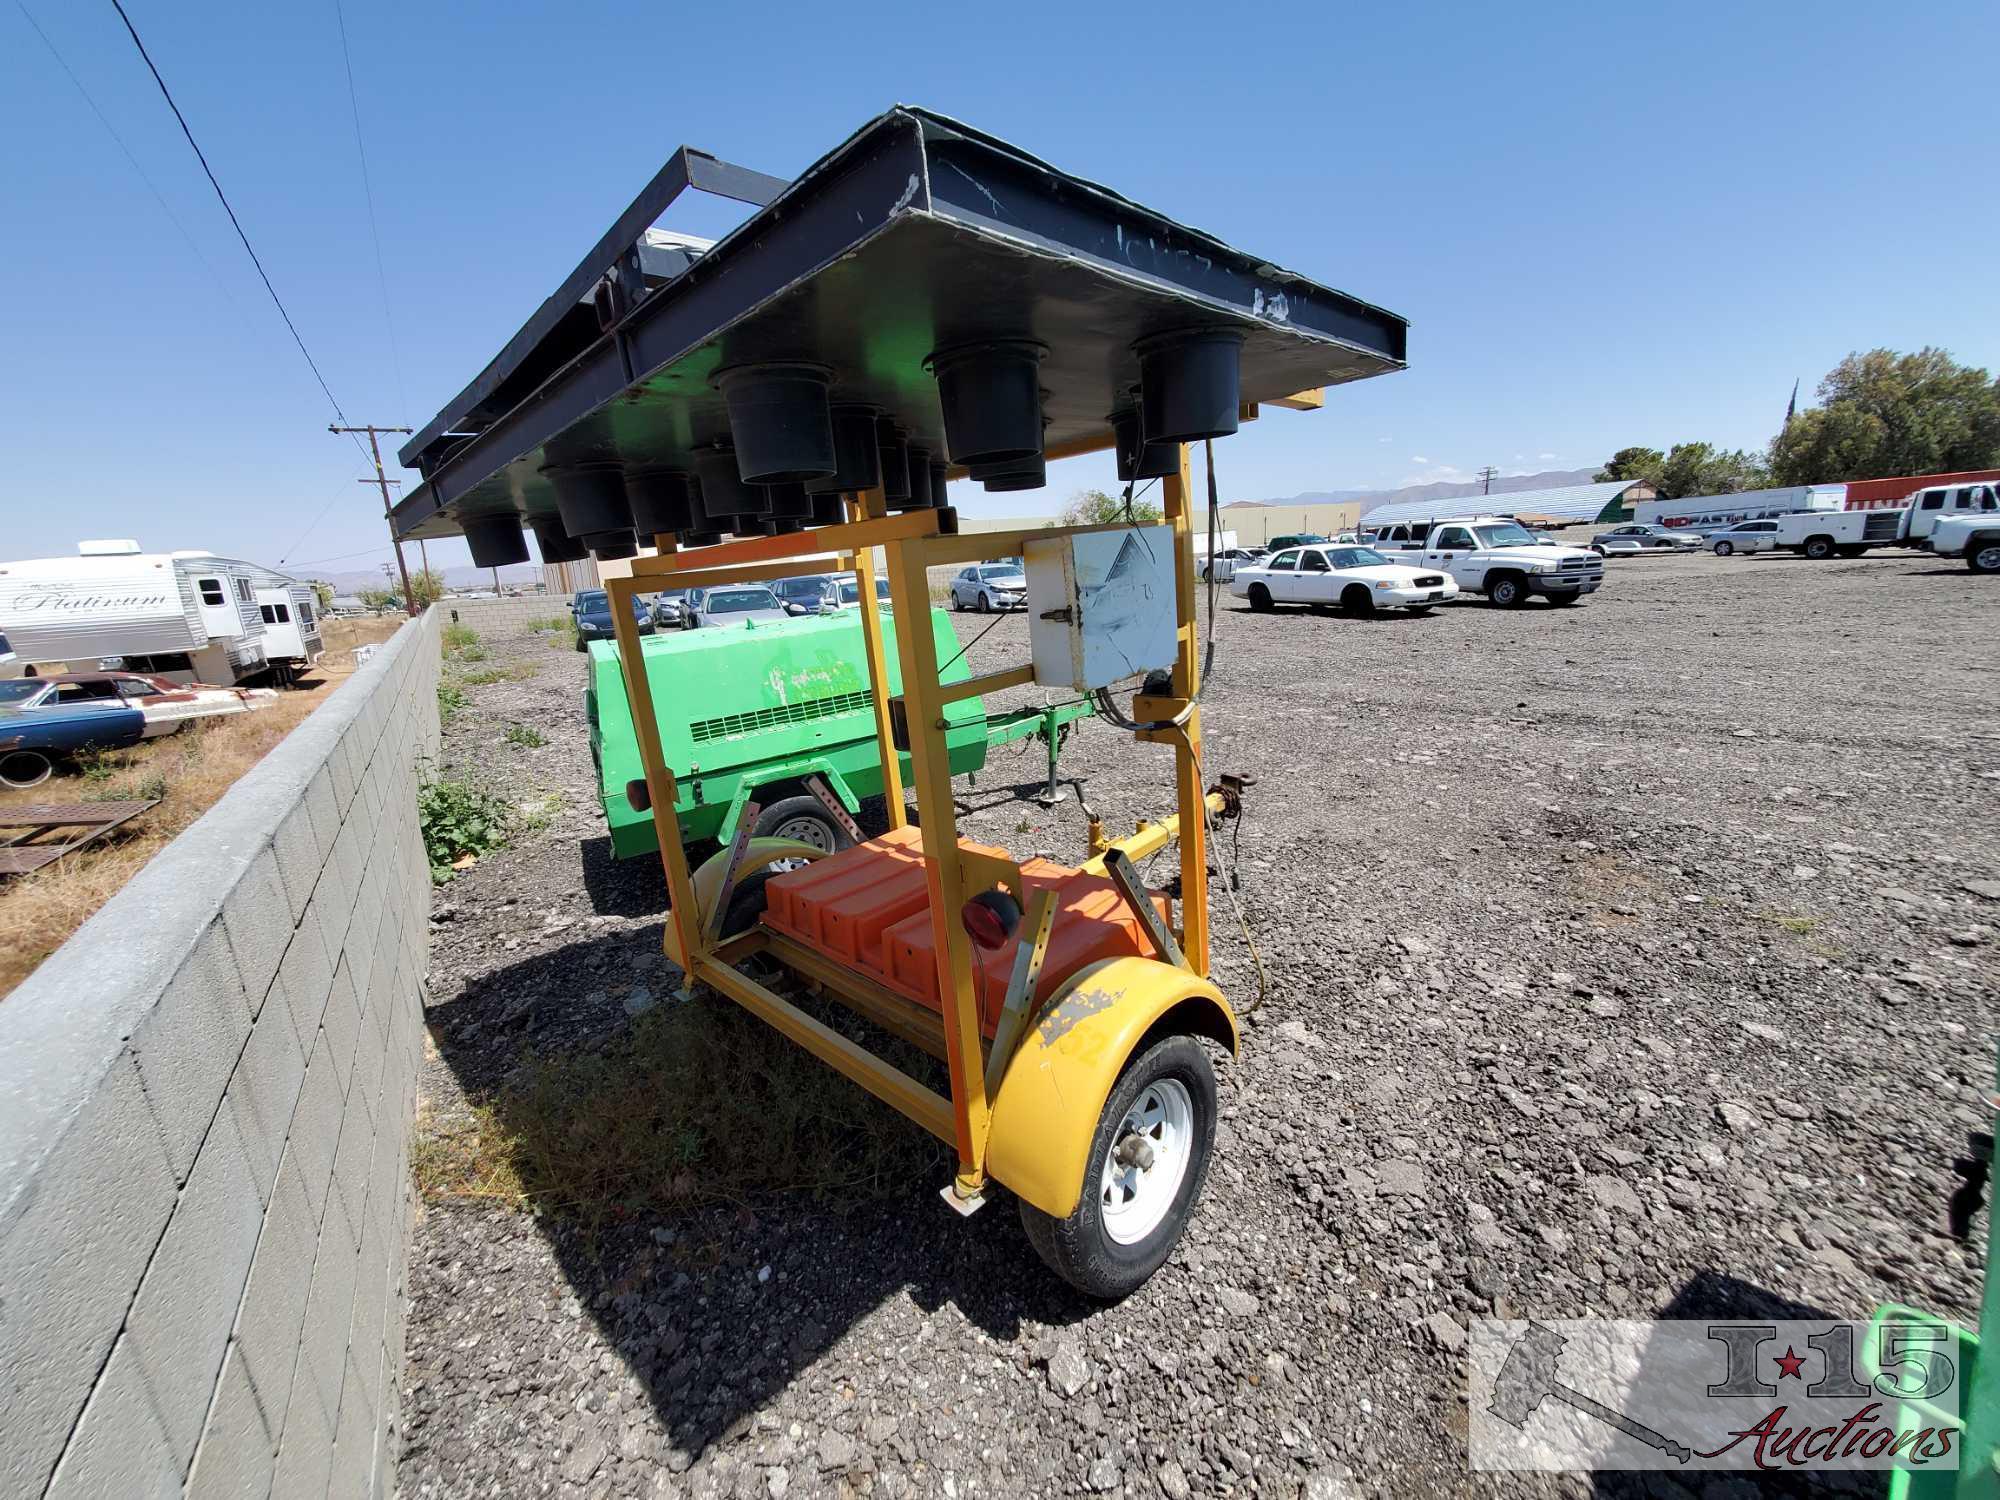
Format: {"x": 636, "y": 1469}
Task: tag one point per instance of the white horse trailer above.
{"x": 188, "y": 616}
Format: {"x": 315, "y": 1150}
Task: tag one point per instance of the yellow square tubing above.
{"x": 1176, "y": 489}
{"x": 916, "y": 648}
{"x": 683, "y": 921}
{"x": 868, "y": 505}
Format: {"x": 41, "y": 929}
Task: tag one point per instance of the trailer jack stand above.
{"x": 964, "y": 1197}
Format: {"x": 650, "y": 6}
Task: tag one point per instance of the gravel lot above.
{"x": 1633, "y": 960}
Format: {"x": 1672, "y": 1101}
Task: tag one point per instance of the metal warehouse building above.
{"x": 1570, "y": 503}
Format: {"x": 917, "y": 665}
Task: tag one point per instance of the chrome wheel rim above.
{"x": 805, "y": 829}
{"x": 1147, "y": 1162}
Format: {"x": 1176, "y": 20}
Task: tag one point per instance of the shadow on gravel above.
{"x": 725, "y": 1207}
{"x": 620, "y": 887}
{"x": 1715, "y": 1296}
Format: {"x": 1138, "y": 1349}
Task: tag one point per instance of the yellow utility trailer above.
{"x": 925, "y": 304}
{"x": 1095, "y": 1106}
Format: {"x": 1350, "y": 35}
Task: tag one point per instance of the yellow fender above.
{"x": 1045, "y": 1113}
{"x": 707, "y": 881}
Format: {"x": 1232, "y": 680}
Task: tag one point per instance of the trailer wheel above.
{"x": 1818, "y": 548}
{"x": 21, "y": 769}
{"x": 1145, "y": 1171}
{"x": 1983, "y": 556}
{"x": 1260, "y": 598}
{"x": 804, "y": 819}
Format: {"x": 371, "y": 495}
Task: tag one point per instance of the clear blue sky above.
{"x": 1607, "y": 224}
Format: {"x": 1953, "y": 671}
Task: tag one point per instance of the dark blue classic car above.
{"x": 33, "y": 739}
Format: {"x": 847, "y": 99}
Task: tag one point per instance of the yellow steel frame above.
{"x": 912, "y": 545}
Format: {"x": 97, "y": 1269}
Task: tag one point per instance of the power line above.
{"x": 368, "y": 192}
{"x": 195, "y": 145}
{"x": 314, "y": 562}
{"x": 112, "y": 131}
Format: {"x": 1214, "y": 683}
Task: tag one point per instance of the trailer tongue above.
{"x": 927, "y": 303}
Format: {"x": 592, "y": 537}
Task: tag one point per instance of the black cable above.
{"x": 276, "y": 300}
{"x": 368, "y": 192}
{"x": 111, "y": 130}
{"x": 974, "y": 641}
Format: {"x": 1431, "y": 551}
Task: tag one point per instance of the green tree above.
{"x": 427, "y": 584}
{"x": 322, "y": 593}
{"x": 1883, "y": 415}
{"x": 1701, "y": 469}
{"x": 380, "y": 598}
{"x": 1633, "y": 463}
{"x": 1095, "y": 508}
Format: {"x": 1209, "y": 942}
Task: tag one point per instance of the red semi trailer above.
{"x": 1890, "y": 494}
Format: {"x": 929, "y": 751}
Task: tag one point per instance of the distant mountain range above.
{"x": 454, "y": 578}
{"x": 1548, "y": 479}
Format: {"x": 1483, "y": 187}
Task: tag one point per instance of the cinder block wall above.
{"x": 506, "y": 615}
{"x": 205, "y": 1106}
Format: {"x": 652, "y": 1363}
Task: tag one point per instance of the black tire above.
{"x": 1567, "y": 598}
{"x": 580, "y": 643}
{"x": 804, "y": 818}
{"x": 1260, "y": 599}
{"x": 1724, "y": 549}
{"x": 1850, "y": 550}
{"x": 21, "y": 769}
{"x": 1818, "y": 548}
{"x": 1357, "y": 600}
{"x": 1079, "y": 1248}
{"x": 1983, "y": 554}
{"x": 746, "y": 904}
{"x": 957, "y": 602}
{"x": 982, "y": 605}
{"x": 1597, "y": 549}
{"x": 1507, "y": 591}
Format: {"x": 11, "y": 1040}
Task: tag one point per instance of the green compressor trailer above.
{"x": 755, "y": 712}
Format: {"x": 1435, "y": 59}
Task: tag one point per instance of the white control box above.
{"x": 1100, "y": 605}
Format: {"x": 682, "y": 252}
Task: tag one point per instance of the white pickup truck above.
{"x": 1497, "y": 557}
{"x": 1976, "y": 538}
{"x": 1820, "y": 534}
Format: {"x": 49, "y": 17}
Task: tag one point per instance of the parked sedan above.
{"x": 1225, "y": 563}
{"x": 849, "y": 593}
{"x": 990, "y": 586}
{"x": 1745, "y": 536}
{"x": 737, "y": 604}
{"x": 1359, "y": 580}
{"x": 806, "y": 595}
{"x": 669, "y": 609}
{"x": 33, "y": 739}
{"x": 166, "y": 704}
{"x": 1650, "y": 537}
{"x": 592, "y": 611}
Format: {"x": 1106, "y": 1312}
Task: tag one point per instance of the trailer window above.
{"x": 211, "y": 590}
{"x": 243, "y": 590}
{"x": 283, "y": 613}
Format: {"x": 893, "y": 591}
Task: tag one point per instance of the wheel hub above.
{"x": 1144, "y": 1170}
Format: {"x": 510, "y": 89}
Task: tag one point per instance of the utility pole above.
{"x": 1486, "y": 477}
{"x": 383, "y": 481}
